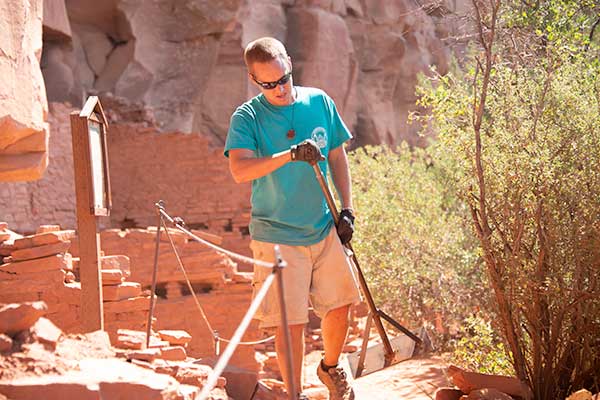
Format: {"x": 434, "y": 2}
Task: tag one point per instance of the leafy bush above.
{"x": 480, "y": 348}
{"x": 418, "y": 256}
{"x": 523, "y": 124}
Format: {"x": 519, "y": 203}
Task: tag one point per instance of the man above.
{"x": 274, "y": 140}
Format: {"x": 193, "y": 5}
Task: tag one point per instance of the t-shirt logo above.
{"x": 319, "y": 135}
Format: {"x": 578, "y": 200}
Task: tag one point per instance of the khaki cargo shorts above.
{"x": 321, "y": 273}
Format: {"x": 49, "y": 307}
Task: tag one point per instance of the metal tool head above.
{"x": 375, "y": 359}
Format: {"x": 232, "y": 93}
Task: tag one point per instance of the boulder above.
{"x": 56, "y": 22}
{"x": 116, "y": 262}
{"x": 241, "y": 382}
{"x": 448, "y": 394}
{"x": 323, "y": 56}
{"x": 468, "y": 381}
{"x": 23, "y": 116}
{"x": 57, "y": 67}
{"x": 98, "y": 379}
{"x": 47, "y": 228}
{"x": 19, "y": 317}
{"x": 45, "y": 332}
{"x": 6, "y": 343}
{"x": 112, "y": 276}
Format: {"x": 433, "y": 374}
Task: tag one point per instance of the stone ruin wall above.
{"x": 183, "y": 170}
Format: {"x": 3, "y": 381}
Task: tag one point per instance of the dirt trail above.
{"x": 415, "y": 379}
{"x": 410, "y": 380}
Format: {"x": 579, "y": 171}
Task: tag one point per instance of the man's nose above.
{"x": 281, "y": 88}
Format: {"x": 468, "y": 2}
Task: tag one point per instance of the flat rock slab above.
{"x": 44, "y": 238}
{"x": 173, "y": 353}
{"x": 116, "y": 262}
{"x": 112, "y": 277}
{"x": 53, "y": 262}
{"x": 123, "y": 291}
{"x": 97, "y": 379}
{"x": 39, "y": 251}
{"x": 175, "y": 337}
{"x": 414, "y": 379}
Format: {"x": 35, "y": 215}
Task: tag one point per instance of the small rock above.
{"x": 46, "y": 332}
{"x": 5, "y": 343}
{"x": 448, "y": 394}
{"x": 173, "y": 353}
{"x": 19, "y": 317}
{"x": 47, "y": 228}
{"x": 143, "y": 355}
{"x": 175, "y": 337}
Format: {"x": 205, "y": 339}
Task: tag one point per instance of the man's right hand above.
{"x": 307, "y": 151}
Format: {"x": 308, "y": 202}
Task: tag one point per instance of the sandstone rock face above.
{"x": 50, "y": 199}
{"x": 183, "y": 59}
{"x": 23, "y": 108}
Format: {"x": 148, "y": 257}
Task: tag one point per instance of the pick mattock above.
{"x": 367, "y": 360}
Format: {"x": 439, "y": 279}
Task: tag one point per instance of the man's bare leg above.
{"x": 334, "y": 328}
{"x": 297, "y": 338}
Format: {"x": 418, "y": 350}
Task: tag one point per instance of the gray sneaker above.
{"x": 336, "y": 382}
{"x": 302, "y": 396}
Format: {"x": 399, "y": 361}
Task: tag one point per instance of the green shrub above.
{"x": 480, "y": 348}
{"x": 416, "y": 251}
{"x": 523, "y": 124}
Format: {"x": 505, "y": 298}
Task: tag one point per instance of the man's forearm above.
{"x": 246, "y": 168}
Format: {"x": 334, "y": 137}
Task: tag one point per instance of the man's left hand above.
{"x": 345, "y": 226}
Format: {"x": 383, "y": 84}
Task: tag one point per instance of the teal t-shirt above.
{"x": 288, "y": 206}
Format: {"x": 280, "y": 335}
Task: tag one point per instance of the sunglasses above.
{"x": 272, "y": 85}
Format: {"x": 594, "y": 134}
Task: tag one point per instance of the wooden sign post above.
{"x": 92, "y": 190}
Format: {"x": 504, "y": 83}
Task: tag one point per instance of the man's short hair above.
{"x": 264, "y": 50}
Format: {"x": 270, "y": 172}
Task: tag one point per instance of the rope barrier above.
{"x": 189, "y": 284}
{"x": 276, "y": 267}
{"x": 178, "y": 222}
{"x": 178, "y": 225}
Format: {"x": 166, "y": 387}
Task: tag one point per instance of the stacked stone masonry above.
{"x": 38, "y": 360}
{"x": 40, "y": 267}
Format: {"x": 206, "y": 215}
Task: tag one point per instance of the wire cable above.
{"x": 189, "y": 284}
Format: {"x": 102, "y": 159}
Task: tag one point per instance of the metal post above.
{"x": 217, "y": 342}
{"x": 363, "y": 350}
{"x": 159, "y": 206}
{"x": 277, "y": 270}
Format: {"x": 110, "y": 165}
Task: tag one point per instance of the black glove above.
{"x": 345, "y": 226}
{"x": 307, "y": 151}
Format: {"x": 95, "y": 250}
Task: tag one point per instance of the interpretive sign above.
{"x": 89, "y": 128}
